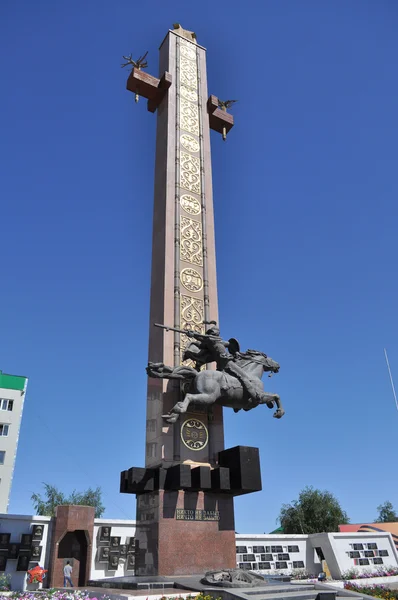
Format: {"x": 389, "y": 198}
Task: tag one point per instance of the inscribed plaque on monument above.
{"x": 191, "y": 280}
{"x": 188, "y": 514}
{"x": 190, "y": 204}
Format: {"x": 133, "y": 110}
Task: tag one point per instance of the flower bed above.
{"x": 379, "y": 591}
{"x": 86, "y": 595}
{"x": 365, "y": 574}
{"x": 54, "y": 595}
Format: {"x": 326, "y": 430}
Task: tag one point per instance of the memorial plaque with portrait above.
{"x": 115, "y": 542}
{"x": 130, "y": 561}
{"x": 23, "y": 561}
{"x": 38, "y": 532}
{"x": 3, "y": 560}
{"x": 105, "y": 534}
{"x": 123, "y": 550}
{"x": 4, "y": 540}
{"x": 35, "y": 553}
{"x": 131, "y": 545}
{"x": 26, "y": 541}
{"x": 13, "y": 551}
{"x": 113, "y": 561}
{"x": 103, "y": 554}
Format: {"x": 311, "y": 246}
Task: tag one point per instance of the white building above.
{"x": 267, "y": 554}
{"x": 282, "y": 554}
{"x": 12, "y": 395}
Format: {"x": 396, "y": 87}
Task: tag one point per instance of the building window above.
{"x": 383, "y": 552}
{"x": 2, "y": 457}
{"x": 378, "y": 561}
{"x": 283, "y": 556}
{"x": 298, "y": 564}
{"x": 6, "y": 404}
{"x": 281, "y": 565}
{"x": 258, "y": 549}
{"x": 3, "y": 429}
{"x": 248, "y": 558}
{"x": 372, "y": 546}
{"x": 266, "y": 557}
{"x": 241, "y": 549}
{"x": 245, "y": 566}
{"x": 369, "y": 553}
{"x": 363, "y": 562}
{"x": 275, "y": 549}
{"x": 293, "y": 549}
{"x": 355, "y": 554}
{"x": 264, "y": 566}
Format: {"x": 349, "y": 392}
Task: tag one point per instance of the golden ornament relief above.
{"x": 189, "y": 117}
{"x": 188, "y": 94}
{"x": 190, "y": 173}
{"x": 191, "y": 241}
{"x": 189, "y": 143}
{"x": 188, "y": 73}
{"x": 194, "y": 434}
{"x": 190, "y": 204}
{"x": 192, "y": 312}
{"x": 187, "y": 66}
{"x": 187, "y": 52}
{"x": 191, "y": 280}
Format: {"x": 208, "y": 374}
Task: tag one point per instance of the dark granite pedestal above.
{"x": 185, "y": 514}
{"x": 184, "y": 533}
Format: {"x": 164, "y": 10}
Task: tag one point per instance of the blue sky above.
{"x": 305, "y": 193}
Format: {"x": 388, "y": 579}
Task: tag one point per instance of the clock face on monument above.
{"x": 194, "y": 434}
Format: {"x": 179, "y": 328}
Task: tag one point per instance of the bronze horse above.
{"x": 217, "y": 387}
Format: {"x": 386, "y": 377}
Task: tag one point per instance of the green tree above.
{"x": 387, "y": 513}
{"x": 53, "y": 497}
{"x": 315, "y": 511}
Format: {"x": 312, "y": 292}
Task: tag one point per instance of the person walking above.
{"x": 67, "y": 574}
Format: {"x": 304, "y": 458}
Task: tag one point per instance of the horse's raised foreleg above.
{"x": 278, "y": 414}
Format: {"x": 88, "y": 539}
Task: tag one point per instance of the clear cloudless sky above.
{"x": 305, "y": 193}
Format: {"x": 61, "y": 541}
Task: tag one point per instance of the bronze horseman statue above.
{"x": 236, "y": 382}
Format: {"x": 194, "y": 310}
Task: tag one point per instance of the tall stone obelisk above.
{"x": 185, "y": 518}
{"x": 183, "y": 283}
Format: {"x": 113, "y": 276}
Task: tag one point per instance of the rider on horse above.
{"x": 212, "y": 348}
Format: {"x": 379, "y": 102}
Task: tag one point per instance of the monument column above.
{"x": 183, "y": 282}
{"x": 185, "y": 515}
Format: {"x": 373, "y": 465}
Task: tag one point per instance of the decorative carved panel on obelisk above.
{"x": 183, "y": 284}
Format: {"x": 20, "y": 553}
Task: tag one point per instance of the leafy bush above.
{"x": 5, "y": 582}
